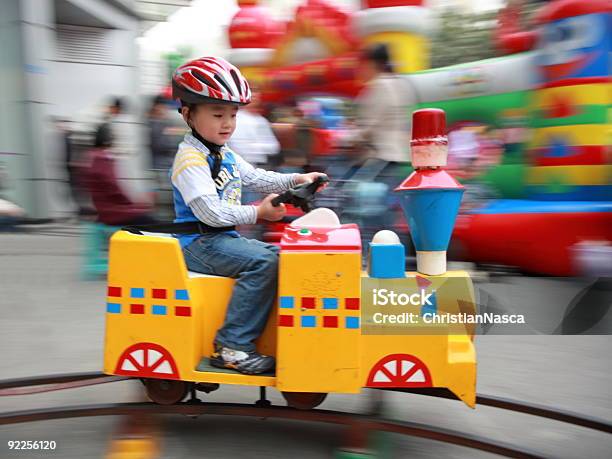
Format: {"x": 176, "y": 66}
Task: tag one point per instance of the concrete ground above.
{"x": 53, "y": 322}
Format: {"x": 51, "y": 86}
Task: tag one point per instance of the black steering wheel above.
{"x": 302, "y": 195}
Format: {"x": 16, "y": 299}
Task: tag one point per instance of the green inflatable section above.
{"x": 508, "y": 178}
{"x": 486, "y": 109}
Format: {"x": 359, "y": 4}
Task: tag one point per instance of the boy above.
{"x": 207, "y": 179}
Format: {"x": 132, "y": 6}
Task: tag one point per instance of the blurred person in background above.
{"x": 380, "y": 141}
{"x": 294, "y": 131}
{"x": 10, "y": 214}
{"x": 473, "y": 150}
{"x": 120, "y": 125}
{"x": 382, "y": 118}
{"x": 70, "y": 161}
{"x": 463, "y": 149}
{"x": 113, "y": 204}
{"x": 164, "y": 134}
{"x": 112, "y": 111}
{"x": 254, "y": 139}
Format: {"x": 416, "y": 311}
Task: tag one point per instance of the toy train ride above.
{"x": 325, "y": 332}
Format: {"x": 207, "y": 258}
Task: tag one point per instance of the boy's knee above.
{"x": 269, "y": 261}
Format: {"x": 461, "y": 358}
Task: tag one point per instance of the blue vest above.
{"x": 229, "y": 189}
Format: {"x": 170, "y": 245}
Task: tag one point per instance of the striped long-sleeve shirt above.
{"x": 218, "y": 202}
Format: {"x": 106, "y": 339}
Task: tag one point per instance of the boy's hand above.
{"x": 266, "y": 211}
{"x": 310, "y": 177}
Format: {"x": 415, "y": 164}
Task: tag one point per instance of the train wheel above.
{"x": 399, "y": 370}
{"x": 304, "y": 400}
{"x": 166, "y": 391}
{"x": 147, "y": 360}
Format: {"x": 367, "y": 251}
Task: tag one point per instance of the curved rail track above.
{"x": 262, "y": 409}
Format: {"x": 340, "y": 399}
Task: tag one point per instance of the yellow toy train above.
{"x": 335, "y": 328}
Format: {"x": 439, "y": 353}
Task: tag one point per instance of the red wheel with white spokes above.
{"x": 147, "y": 360}
{"x": 399, "y": 370}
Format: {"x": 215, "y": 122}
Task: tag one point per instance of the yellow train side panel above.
{"x": 146, "y": 335}
{"x": 461, "y": 369}
{"x": 446, "y": 361}
{"x": 318, "y": 322}
{"x": 150, "y": 309}
{"x": 215, "y": 293}
{"x": 420, "y": 354}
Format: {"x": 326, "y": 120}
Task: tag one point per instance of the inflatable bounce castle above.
{"x": 316, "y": 52}
{"x": 556, "y": 186}
{"x": 568, "y": 176}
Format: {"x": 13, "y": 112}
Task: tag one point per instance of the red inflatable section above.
{"x": 323, "y": 141}
{"x": 389, "y": 3}
{"x": 335, "y": 75}
{"x": 561, "y": 9}
{"x": 583, "y": 155}
{"x": 536, "y": 242}
{"x": 509, "y": 38}
{"x": 252, "y": 27}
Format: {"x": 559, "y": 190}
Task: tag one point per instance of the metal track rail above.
{"x": 533, "y": 409}
{"x": 48, "y": 383}
{"x": 545, "y": 412}
{"x": 231, "y": 409}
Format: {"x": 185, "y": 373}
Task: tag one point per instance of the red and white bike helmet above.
{"x": 210, "y": 80}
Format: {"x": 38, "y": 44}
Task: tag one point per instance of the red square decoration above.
{"x": 330, "y": 321}
{"x": 136, "y": 308}
{"x": 308, "y": 302}
{"x": 351, "y": 303}
{"x": 285, "y": 321}
{"x": 114, "y": 291}
{"x": 184, "y": 311}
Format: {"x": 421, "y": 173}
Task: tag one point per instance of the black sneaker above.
{"x": 249, "y": 363}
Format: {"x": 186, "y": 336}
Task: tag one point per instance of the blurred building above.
{"x": 59, "y": 59}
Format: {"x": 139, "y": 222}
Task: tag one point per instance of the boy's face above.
{"x": 215, "y": 122}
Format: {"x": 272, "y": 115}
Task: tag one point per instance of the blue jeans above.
{"x": 255, "y": 266}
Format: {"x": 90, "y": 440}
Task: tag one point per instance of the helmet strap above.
{"x": 215, "y": 151}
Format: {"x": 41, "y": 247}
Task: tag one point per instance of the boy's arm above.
{"x": 262, "y": 180}
{"x": 193, "y": 180}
